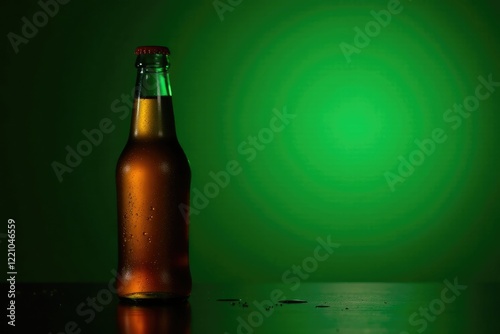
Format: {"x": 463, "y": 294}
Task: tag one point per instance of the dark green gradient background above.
{"x": 323, "y": 175}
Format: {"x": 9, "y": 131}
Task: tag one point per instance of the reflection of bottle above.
{"x": 153, "y": 180}
{"x": 170, "y": 318}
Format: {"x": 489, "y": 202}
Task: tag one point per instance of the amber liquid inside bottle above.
{"x": 153, "y": 178}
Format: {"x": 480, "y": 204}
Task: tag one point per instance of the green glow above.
{"x": 322, "y": 175}
{"x": 355, "y": 123}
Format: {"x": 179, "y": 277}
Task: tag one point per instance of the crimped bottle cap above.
{"x": 145, "y": 50}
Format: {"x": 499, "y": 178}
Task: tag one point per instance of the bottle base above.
{"x": 152, "y": 298}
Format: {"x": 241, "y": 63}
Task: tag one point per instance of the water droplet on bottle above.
{"x": 152, "y": 208}
{"x": 144, "y": 233}
{"x": 149, "y": 239}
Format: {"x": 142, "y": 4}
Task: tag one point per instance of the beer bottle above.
{"x": 152, "y": 180}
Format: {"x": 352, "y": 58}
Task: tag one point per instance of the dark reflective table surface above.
{"x": 444, "y": 307}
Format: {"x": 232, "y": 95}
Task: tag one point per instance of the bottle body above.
{"x": 152, "y": 181}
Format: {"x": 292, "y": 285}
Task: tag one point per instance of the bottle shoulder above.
{"x": 153, "y": 154}
{"x": 152, "y": 146}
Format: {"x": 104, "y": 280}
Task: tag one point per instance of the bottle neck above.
{"x": 152, "y": 117}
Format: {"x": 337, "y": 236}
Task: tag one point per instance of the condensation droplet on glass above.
{"x": 144, "y": 233}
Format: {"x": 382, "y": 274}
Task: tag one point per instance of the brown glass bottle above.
{"x": 152, "y": 181}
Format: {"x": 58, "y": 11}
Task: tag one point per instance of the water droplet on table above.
{"x": 293, "y": 301}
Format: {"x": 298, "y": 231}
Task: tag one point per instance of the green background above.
{"x": 322, "y": 175}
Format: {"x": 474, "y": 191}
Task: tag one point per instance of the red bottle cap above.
{"x": 145, "y": 50}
